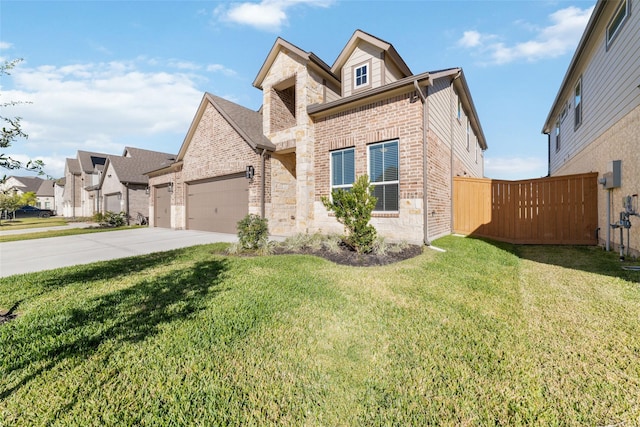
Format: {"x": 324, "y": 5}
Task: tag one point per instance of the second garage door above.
{"x": 217, "y": 204}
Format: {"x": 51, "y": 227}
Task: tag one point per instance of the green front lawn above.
{"x": 483, "y": 334}
{"x": 22, "y": 223}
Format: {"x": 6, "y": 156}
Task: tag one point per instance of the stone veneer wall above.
{"x": 620, "y": 142}
{"x": 399, "y": 117}
{"x": 293, "y": 174}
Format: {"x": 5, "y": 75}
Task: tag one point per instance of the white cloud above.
{"x": 558, "y": 38}
{"x": 470, "y": 39}
{"x": 100, "y": 107}
{"x": 217, "y": 68}
{"x": 5, "y": 45}
{"x": 514, "y": 168}
{"x": 268, "y": 15}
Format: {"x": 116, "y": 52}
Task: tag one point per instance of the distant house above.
{"x": 318, "y": 129}
{"x": 42, "y": 188}
{"x": 123, "y": 186}
{"x": 82, "y": 175}
{"x": 98, "y": 182}
{"x": 595, "y": 117}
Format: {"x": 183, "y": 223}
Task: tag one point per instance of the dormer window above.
{"x": 362, "y": 76}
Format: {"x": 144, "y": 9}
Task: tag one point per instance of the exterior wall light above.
{"x": 170, "y": 187}
{"x": 249, "y": 172}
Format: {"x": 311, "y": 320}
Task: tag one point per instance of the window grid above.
{"x": 361, "y": 76}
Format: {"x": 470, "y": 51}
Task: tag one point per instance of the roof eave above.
{"x": 316, "y": 110}
{"x": 584, "y": 40}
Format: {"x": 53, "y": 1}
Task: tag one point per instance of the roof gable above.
{"x": 247, "y": 123}
{"x": 282, "y": 45}
{"x": 360, "y": 37}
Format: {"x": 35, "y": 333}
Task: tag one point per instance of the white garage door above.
{"x": 217, "y": 204}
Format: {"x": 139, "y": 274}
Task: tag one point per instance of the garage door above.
{"x": 162, "y": 207}
{"x": 217, "y": 204}
{"x": 112, "y": 203}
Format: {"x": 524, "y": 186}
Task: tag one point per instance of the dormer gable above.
{"x": 367, "y": 62}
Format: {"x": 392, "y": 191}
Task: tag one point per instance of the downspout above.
{"x": 73, "y": 198}
{"x": 262, "y": 182}
{"x": 425, "y": 161}
{"x": 452, "y": 142}
{"x": 126, "y": 185}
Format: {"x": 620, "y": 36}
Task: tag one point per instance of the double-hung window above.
{"x": 383, "y": 173}
{"x": 558, "y": 135}
{"x": 343, "y": 170}
{"x": 617, "y": 21}
{"x": 577, "y": 103}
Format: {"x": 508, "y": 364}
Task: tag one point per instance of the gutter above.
{"x": 425, "y": 161}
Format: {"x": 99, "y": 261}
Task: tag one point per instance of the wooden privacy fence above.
{"x": 556, "y": 210}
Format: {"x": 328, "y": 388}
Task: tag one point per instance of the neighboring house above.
{"x": 58, "y": 191}
{"x": 123, "y": 187}
{"x": 45, "y": 196}
{"x": 42, "y": 188}
{"x": 82, "y": 175}
{"x": 319, "y": 128}
{"x": 595, "y": 118}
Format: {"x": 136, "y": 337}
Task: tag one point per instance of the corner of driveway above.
{"x": 28, "y": 256}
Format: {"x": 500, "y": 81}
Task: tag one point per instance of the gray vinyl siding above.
{"x": 440, "y": 113}
{"x": 610, "y": 91}
{"x": 444, "y": 123}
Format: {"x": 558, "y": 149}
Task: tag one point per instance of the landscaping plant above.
{"x": 253, "y": 232}
{"x": 353, "y": 209}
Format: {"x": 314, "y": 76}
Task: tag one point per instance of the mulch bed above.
{"x": 348, "y": 257}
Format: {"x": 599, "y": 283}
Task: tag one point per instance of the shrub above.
{"x": 98, "y": 217}
{"x": 353, "y": 210}
{"x": 112, "y": 219}
{"x": 253, "y": 232}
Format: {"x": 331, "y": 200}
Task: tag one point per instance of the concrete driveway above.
{"x": 27, "y": 256}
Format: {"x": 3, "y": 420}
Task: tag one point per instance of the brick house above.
{"x": 81, "y": 177}
{"x": 123, "y": 186}
{"x": 319, "y": 128}
{"x": 595, "y": 117}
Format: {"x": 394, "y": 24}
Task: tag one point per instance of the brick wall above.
{"x": 399, "y": 117}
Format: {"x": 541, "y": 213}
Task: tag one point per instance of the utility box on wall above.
{"x": 613, "y": 179}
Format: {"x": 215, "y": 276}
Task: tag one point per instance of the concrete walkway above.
{"x": 28, "y": 256}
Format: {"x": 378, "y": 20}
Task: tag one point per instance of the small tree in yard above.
{"x": 353, "y": 209}
{"x": 9, "y": 202}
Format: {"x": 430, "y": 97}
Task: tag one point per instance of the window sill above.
{"x": 390, "y": 214}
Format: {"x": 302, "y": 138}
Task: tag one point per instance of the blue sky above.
{"x": 102, "y": 75}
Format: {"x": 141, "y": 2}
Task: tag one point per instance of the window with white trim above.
{"x": 361, "y": 76}
{"x": 468, "y": 135}
{"x": 343, "y": 169}
{"x": 383, "y": 174}
{"x": 558, "y": 134}
{"x": 617, "y": 22}
{"x": 577, "y": 103}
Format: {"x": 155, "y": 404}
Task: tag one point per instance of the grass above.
{"x": 58, "y": 233}
{"x": 483, "y": 334}
{"x": 19, "y": 224}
